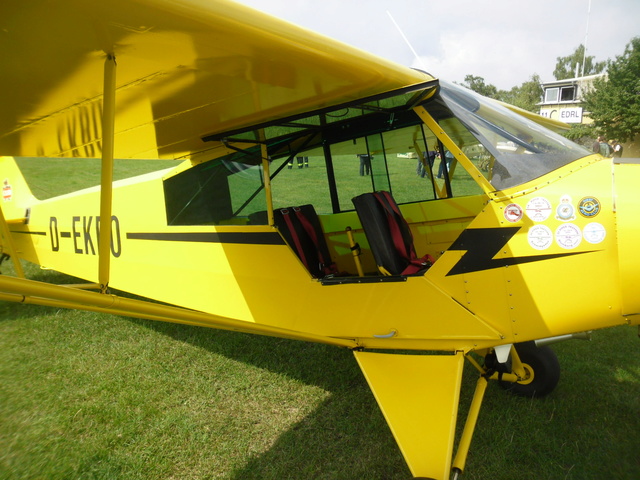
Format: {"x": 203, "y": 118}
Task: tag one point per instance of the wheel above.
{"x": 542, "y": 368}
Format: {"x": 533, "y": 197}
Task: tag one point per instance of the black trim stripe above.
{"x": 29, "y": 233}
{"x": 245, "y": 238}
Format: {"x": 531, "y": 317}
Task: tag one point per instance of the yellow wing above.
{"x": 550, "y": 123}
{"x": 184, "y": 70}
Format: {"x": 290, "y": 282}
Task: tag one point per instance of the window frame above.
{"x": 547, "y": 92}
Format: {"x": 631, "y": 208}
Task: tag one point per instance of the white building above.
{"x": 563, "y": 99}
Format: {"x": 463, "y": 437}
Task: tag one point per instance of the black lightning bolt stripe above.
{"x": 482, "y": 244}
{"x": 248, "y": 238}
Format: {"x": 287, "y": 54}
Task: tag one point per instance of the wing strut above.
{"x": 20, "y": 290}
{"x": 418, "y": 395}
{"x": 460, "y": 460}
{"x": 106, "y": 178}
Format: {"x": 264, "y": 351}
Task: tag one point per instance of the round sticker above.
{"x": 538, "y": 209}
{"x": 594, "y": 233}
{"x": 565, "y": 210}
{"x": 540, "y": 237}
{"x": 568, "y": 236}
{"x": 513, "y": 212}
{"x": 589, "y": 207}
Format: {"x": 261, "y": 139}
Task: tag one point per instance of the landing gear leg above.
{"x": 536, "y": 372}
{"x": 541, "y": 371}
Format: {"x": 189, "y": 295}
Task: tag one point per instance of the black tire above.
{"x": 544, "y": 371}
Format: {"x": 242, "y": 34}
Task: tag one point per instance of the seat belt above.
{"x": 294, "y": 235}
{"x": 327, "y": 268}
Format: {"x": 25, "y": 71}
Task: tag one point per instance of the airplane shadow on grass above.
{"x": 346, "y": 437}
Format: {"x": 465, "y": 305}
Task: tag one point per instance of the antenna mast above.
{"x": 586, "y": 38}
{"x": 407, "y": 41}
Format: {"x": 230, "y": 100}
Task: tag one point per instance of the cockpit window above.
{"x": 517, "y": 150}
{"x": 327, "y": 157}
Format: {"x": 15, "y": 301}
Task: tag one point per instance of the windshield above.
{"x": 516, "y": 149}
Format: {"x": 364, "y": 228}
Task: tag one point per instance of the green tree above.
{"x": 526, "y": 96}
{"x": 566, "y": 66}
{"x": 478, "y": 85}
{"x": 584, "y": 134}
{"x": 614, "y": 103}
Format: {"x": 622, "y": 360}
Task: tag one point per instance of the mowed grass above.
{"x": 94, "y": 396}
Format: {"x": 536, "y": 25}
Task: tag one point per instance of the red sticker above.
{"x": 513, "y": 212}
{"x": 7, "y": 191}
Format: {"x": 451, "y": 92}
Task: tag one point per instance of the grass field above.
{"x": 93, "y": 396}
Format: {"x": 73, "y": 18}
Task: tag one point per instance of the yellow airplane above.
{"x": 419, "y": 224}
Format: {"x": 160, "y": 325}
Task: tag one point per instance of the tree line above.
{"x": 613, "y": 104}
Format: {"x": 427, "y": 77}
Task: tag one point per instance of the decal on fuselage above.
{"x": 85, "y": 235}
{"x": 540, "y": 237}
{"x": 594, "y": 233}
{"x": 565, "y": 211}
{"x": 589, "y": 207}
{"x": 538, "y": 209}
{"x": 513, "y": 213}
{"x": 7, "y": 191}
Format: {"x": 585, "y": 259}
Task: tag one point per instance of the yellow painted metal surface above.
{"x": 555, "y": 272}
{"x": 7, "y": 247}
{"x": 627, "y": 206}
{"x": 179, "y": 75}
{"x": 418, "y": 395}
{"x": 16, "y": 195}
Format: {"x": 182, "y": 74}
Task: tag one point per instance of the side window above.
{"x": 386, "y": 161}
{"x": 462, "y": 183}
{"x": 409, "y": 162}
{"x": 219, "y": 192}
{"x": 300, "y": 180}
{"x": 412, "y": 162}
{"x": 358, "y": 167}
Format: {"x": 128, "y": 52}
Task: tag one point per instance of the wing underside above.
{"x": 184, "y": 70}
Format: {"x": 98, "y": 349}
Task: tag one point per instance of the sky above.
{"x": 503, "y": 41}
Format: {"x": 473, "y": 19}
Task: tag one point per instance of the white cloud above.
{"x": 503, "y": 60}
{"x": 503, "y": 41}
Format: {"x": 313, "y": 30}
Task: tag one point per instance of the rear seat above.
{"x": 301, "y": 229}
